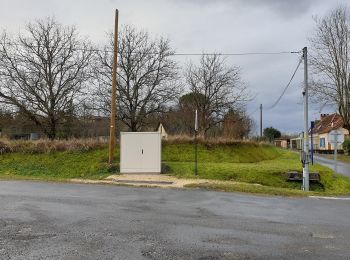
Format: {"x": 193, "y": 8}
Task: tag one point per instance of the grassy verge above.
{"x": 268, "y": 173}
{"x": 235, "y": 152}
{"x": 56, "y": 165}
{"x": 248, "y": 188}
{"x": 253, "y": 168}
{"x": 260, "y": 189}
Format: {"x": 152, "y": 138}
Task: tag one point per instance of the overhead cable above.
{"x": 286, "y": 87}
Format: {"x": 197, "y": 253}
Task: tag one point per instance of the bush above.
{"x": 346, "y": 146}
{"x": 4, "y": 147}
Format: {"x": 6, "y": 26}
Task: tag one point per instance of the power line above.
{"x": 250, "y": 114}
{"x": 170, "y": 54}
{"x": 286, "y": 87}
{"x": 282, "y": 94}
{"x": 237, "y": 54}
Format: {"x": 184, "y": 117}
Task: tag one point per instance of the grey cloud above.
{"x": 286, "y": 8}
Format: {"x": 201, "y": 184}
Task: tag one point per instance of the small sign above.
{"x": 336, "y": 137}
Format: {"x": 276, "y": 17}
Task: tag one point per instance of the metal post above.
{"x": 312, "y": 141}
{"x": 335, "y": 152}
{"x": 261, "y": 126}
{"x": 196, "y": 154}
{"x": 196, "y": 143}
{"x": 306, "y": 124}
{"x": 114, "y": 90}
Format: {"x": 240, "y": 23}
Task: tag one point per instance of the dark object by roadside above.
{"x": 165, "y": 168}
{"x": 297, "y": 176}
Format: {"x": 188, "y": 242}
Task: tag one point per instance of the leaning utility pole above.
{"x": 261, "y": 126}
{"x": 114, "y": 90}
{"x": 306, "y": 125}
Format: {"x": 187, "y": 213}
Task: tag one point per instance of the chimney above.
{"x": 324, "y": 115}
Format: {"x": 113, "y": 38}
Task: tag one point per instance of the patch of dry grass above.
{"x": 185, "y": 139}
{"x": 48, "y": 146}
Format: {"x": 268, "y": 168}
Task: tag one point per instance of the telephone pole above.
{"x": 114, "y": 92}
{"x": 306, "y": 125}
{"x": 261, "y": 126}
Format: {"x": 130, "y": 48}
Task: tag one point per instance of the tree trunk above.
{"x": 133, "y": 126}
{"x": 52, "y": 132}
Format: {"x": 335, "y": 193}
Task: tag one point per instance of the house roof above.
{"x": 328, "y": 123}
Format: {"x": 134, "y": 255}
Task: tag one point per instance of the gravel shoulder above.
{"x": 154, "y": 180}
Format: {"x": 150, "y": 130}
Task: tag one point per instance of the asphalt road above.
{"x": 342, "y": 167}
{"x": 76, "y": 221}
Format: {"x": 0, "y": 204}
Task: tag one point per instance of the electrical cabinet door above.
{"x": 151, "y": 148}
{"x": 130, "y": 153}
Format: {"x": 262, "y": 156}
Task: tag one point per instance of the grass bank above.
{"x": 256, "y": 168}
{"x": 250, "y": 163}
{"x": 90, "y": 164}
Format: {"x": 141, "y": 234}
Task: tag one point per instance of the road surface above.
{"x": 78, "y": 221}
{"x": 342, "y": 167}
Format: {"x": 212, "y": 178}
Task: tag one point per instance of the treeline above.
{"x": 54, "y": 81}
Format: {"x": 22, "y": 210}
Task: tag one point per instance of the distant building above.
{"x": 282, "y": 142}
{"x": 296, "y": 143}
{"x": 160, "y": 128}
{"x": 321, "y": 133}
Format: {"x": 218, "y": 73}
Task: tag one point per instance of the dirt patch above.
{"x": 152, "y": 180}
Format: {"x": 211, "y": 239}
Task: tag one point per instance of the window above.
{"x": 322, "y": 142}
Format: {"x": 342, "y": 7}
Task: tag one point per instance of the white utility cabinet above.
{"x": 140, "y": 152}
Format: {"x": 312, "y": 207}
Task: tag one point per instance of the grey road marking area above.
{"x": 76, "y": 221}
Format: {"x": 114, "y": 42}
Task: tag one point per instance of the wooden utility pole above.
{"x": 114, "y": 92}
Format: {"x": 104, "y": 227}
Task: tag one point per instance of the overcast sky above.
{"x": 225, "y": 26}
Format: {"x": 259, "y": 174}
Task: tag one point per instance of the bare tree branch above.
{"x": 217, "y": 89}
{"x": 147, "y": 77}
{"x": 330, "y": 61}
{"x": 43, "y": 71}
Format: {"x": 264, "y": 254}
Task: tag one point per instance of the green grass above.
{"x": 219, "y": 153}
{"x": 264, "y": 165}
{"x": 257, "y": 189}
{"x": 56, "y": 165}
{"x": 246, "y": 163}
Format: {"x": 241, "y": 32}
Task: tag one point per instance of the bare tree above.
{"x": 217, "y": 88}
{"x": 330, "y": 61}
{"x": 42, "y": 72}
{"x": 147, "y": 77}
{"x": 237, "y": 124}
